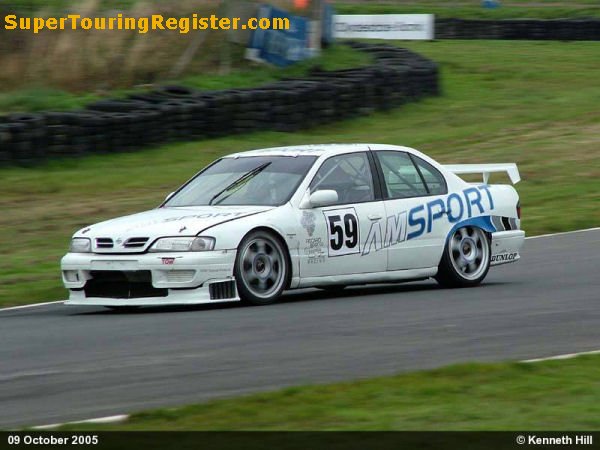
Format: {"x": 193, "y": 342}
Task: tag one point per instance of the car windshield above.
{"x": 252, "y": 180}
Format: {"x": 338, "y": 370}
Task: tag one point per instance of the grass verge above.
{"x": 246, "y": 74}
{"x": 550, "y": 395}
{"x": 534, "y": 103}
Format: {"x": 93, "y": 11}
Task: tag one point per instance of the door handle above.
{"x": 374, "y": 216}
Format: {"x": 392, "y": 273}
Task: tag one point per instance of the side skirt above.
{"x": 373, "y": 277}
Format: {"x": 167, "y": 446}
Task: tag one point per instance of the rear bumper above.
{"x": 506, "y": 246}
{"x": 149, "y": 279}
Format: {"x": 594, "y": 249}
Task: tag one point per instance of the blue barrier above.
{"x": 280, "y": 47}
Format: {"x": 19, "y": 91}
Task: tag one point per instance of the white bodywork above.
{"x": 401, "y": 239}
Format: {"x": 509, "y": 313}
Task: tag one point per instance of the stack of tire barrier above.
{"x": 175, "y": 113}
{"x": 526, "y": 29}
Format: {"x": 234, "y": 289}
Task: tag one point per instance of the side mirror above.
{"x": 168, "y": 197}
{"x": 325, "y": 197}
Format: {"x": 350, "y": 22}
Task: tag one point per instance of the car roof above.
{"x": 318, "y": 150}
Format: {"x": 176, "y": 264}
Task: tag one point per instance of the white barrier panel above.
{"x": 384, "y": 26}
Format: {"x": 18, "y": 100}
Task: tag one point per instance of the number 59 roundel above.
{"x": 343, "y": 231}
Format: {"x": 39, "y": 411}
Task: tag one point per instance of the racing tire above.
{"x": 262, "y": 268}
{"x": 466, "y": 258}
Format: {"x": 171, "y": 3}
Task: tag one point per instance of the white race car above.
{"x": 254, "y": 224}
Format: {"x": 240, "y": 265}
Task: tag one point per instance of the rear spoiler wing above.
{"x": 486, "y": 170}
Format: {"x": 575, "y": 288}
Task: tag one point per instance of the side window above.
{"x": 436, "y": 183}
{"x": 349, "y": 175}
{"x": 402, "y": 180}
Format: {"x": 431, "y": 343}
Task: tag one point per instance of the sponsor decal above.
{"x": 395, "y": 232}
{"x": 168, "y": 261}
{"x": 314, "y": 251}
{"x": 471, "y": 202}
{"x": 406, "y": 225}
{"x": 384, "y": 26}
{"x": 208, "y": 216}
{"x": 209, "y": 270}
{"x": 308, "y": 222}
{"x": 343, "y": 230}
{"x": 504, "y": 257}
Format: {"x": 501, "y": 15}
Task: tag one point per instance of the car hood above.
{"x": 117, "y": 235}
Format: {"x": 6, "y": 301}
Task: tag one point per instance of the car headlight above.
{"x": 80, "y": 245}
{"x": 183, "y": 244}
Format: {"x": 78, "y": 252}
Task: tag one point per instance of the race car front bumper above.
{"x": 150, "y": 278}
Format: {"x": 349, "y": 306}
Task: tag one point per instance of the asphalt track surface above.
{"x": 61, "y": 363}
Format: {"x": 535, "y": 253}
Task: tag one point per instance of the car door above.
{"x": 415, "y": 227}
{"x": 336, "y": 238}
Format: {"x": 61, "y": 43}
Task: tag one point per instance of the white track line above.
{"x": 14, "y": 308}
{"x": 565, "y": 356}
{"x": 108, "y": 419}
{"x": 563, "y": 232}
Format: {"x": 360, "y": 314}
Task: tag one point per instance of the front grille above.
{"x": 222, "y": 290}
{"x": 122, "y": 284}
{"x": 135, "y": 242}
{"x": 180, "y": 276}
{"x": 104, "y": 243}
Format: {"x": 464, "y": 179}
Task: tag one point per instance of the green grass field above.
{"x": 534, "y": 103}
{"x": 550, "y": 395}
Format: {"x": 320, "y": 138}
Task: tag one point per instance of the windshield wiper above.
{"x": 246, "y": 177}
